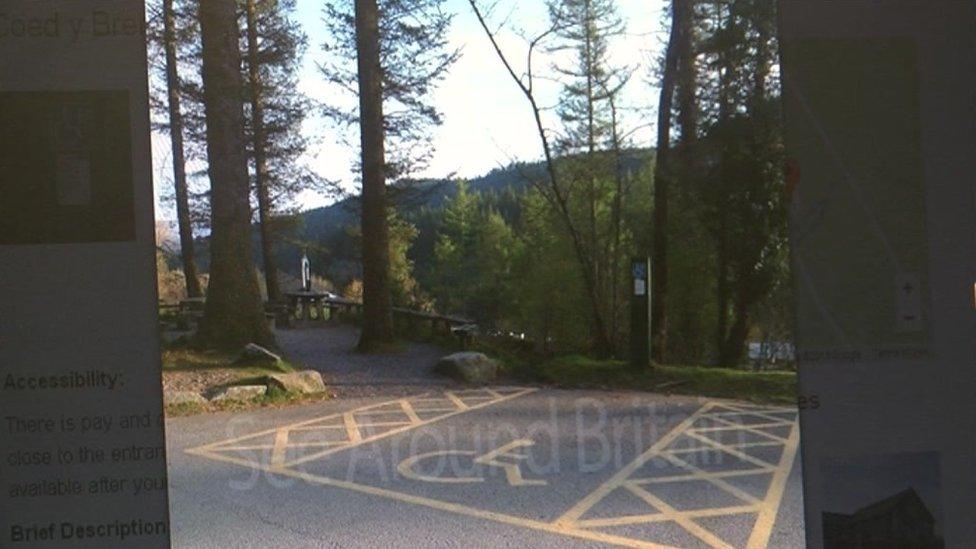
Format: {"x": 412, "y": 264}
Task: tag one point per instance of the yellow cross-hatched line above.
{"x": 456, "y": 508}
{"x": 585, "y": 504}
{"x": 422, "y": 410}
{"x": 703, "y": 475}
{"x": 765, "y": 509}
{"x": 408, "y": 410}
{"x": 748, "y": 413}
{"x": 324, "y": 453}
{"x": 568, "y": 524}
{"x": 455, "y": 400}
{"x": 384, "y": 424}
{"x": 318, "y": 427}
{"x": 280, "y": 447}
{"x": 310, "y": 424}
{"x": 467, "y": 392}
{"x": 752, "y": 430}
{"x": 738, "y": 426}
{"x": 705, "y": 448}
{"x": 762, "y": 409}
{"x": 768, "y": 417}
{"x": 289, "y": 445}
{"x": 659, "y": 517}
{"x": 350, "y": 424}
{"x": 731, "y": 450}
{"x": 767, "y": 515}
{"x": 691, "y": 526}
{"x": 352, "y": 428}
{"x": 379, "y": 412}
{"x": 690, "y": 476}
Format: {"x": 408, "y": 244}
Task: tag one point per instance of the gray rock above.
{"x": 256, "y": 354}
{"x": 183, "y": 397}
{"x": 468, "y": 366}
{"x": 239, "y": 392}
{"x": 304, "y": 382}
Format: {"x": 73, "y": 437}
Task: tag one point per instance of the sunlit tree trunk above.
{"x": 377, "y": 312}
{"x": 179, "y": 159}
{"x": 259, "y": 144}
{"x": 233, "y": 315}
{"x": 662, "y": 188}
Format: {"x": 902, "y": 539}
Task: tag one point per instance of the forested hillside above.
{"x": 329, "y": 234}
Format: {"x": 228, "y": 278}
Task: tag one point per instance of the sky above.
{"x": 487, "y": 122}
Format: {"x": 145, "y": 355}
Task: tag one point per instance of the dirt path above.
{"x": 331, "y": 351}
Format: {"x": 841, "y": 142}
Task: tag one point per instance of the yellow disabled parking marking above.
{"x": 513, "y": 473}
{"x": 350, "y": 425}
{"x": 573, "y": 522}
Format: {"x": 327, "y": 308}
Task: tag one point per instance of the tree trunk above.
{"x": 735, "y": 342}
{"x": 722, "y": 288}
{"x": 233, "y": 315}
{"x": 377, "y": 312}
{"x": 723, "y": 297}
{"x": 616, "y": 219}
{"x": 259, "y": 144}
{"x": 179, "y": 159}
{"x": 687, "y": 83}
{"x": 662, "y": 180}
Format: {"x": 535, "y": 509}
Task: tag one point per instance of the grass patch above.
{"x": 582, "y": 372}
{"x": 185, "y": 409}
{"x": 274, "y": 398}
{"x": 189, "y": 360}
{"x": 227, "y": 372}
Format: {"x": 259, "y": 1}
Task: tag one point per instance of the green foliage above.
{"x": 405, "y": 290}
{"x": 283, "y": 45}
{"x": 590, "y": 83}
{"x": 473, "y": 259}
{"x": 550, "y": 311}
{"x": 415, "y": 58}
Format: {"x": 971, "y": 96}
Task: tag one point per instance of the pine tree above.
{"x": 678, "y": 75}
{"x": 473, "y": 258}
{"x": 588, "y": 85}
{"x": 743, "y": 207}
{"x": 233, "y": 315}
{"x": 415, "y": 57}
{"x": 377, "y": 312}
{"x": 400, "y": 48}
{"x": 590, "y": 142}
{"x": 167, "y": 33}
{"x": 274, "y": 45}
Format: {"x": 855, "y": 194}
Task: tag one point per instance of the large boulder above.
{"x": 256, "y": 354}
{"x": 239, "y": 392}
{"x": 469, "y": 367}
{"x": 303, "y": 382}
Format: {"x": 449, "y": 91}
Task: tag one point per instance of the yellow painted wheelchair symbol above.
{"x": 513, "y": 472}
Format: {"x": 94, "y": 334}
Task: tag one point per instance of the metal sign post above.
{"x": 640, "y": 314}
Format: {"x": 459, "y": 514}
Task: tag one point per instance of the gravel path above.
{"x": 332, "y": 352}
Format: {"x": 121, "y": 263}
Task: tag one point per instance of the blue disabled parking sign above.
{"x": 640, "y": 270}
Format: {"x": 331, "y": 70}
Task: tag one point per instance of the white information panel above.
{"x": 880, "y": 109}
{"x": 82, "y": 452}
